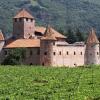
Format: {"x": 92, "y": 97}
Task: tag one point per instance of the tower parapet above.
{"x": 92, "y": 53}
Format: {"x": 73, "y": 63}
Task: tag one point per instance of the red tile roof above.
{"x": 43, "y": 29}
{"x": 23, "y": 14}
{"x": 1, "y": 36}
{"x": 92, "y": 38}
{"x": 49, "y": 34}
{"x": 20, "y": 43}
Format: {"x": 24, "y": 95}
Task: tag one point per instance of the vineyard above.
{"x": 45, "y": 83}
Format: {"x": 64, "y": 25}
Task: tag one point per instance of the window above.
{"x": 81, "y": 53}
{"x": 15, "y": 19}
{"x": 45, "y": 53}
{"x": 54, "y": 53}
{"x": 60, "y": 53}
{"x": 67, "y": 53}
{"x": 26, "y": 19}
{"x": 97, "y": 53}
{"x": 31, "y": 20}
{"x": 53, "y": 43}
{"x": 74, "y": 53}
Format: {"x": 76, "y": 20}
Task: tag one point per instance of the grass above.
{"x": 45, "y": 83}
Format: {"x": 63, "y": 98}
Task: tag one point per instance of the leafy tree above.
{"x": 71, "y": 36}
{"x": 14, "y": 57}
{"x": 80, "y": 36}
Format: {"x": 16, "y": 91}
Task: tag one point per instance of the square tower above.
{"x": 23, "y": 25}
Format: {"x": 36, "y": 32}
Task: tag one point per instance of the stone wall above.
{"x": 69, "y": 55}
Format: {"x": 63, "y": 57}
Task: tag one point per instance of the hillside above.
{"x": 40, "y": 83}
{"x": 64, "y": 14}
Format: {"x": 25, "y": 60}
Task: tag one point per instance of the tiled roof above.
{"x": 49, "y": 34}
{"x": 92, "y": 38}
{"x": 23, "y": 14}
{"x": 43, "y": 29}
{"x": 22, "y": 43}
{"x": 1, "y": 36}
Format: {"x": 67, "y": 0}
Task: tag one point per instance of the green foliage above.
{"x": 81, "y": 14}
{"x": 14, "y": 57}
{"x": 46, "y": 83}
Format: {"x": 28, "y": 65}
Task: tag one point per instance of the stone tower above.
{"x": 92, "y": 54}
{"x": 23, "y": 25}
{"x": 46, "y": 47}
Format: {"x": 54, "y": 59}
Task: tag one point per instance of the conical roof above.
{"x": 23, "y": 14}
{"x": 1, "y": 36}
{"x": 49, "y": 34}
{"x": 92, "y": 38}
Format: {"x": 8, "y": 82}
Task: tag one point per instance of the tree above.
{"x": 71, "y": 36}
{"x": 80, "y": 36}
{"x": 14, "y": 57}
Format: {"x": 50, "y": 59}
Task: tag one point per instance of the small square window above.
{"x": 54, "y": 53}
{"x": 26, "y": 19}
{"x": 67, "y": 53}
{"x": 60, "y": 53}
{"x": 74, "y": 53}
{"x": 45, "y": 53}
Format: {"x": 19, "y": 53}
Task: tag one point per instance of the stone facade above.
{"x": 51, "y": 48}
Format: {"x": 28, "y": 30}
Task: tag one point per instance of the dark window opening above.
{"x": 54, "y": 53}
{"x": 53, "y": 43}
{"x": 67, "y": 53}
{"x": 74, "y": 53}
{"x": 42, "y": 64}
{"x": 81, "y": 53}
{"x": 31, "y": 20}
{"x": 26, "y": 19}
{"x": 15, "y": 19}
{"x": 97, "y": 53}
{"x": 60, "y": 53}
{"x": 31, "y": 64}
{"x": 45, "y": 53}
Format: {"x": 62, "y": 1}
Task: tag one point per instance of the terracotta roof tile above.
{"x": 49, "y": 34}
{"x": 23, "y": 14}
{"x": 92, "y": 38}
{"x": 20, "y": 43}
{"x": 43, "y": 29}
{"x": 1, "y": 36}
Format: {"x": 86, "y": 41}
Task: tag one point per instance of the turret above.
{"x": 92, "y": 53}
{"x": 23, "y": 25}
{"x": 46, "y": 47}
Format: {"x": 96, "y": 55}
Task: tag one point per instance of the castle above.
{"x": 46, "y": 46}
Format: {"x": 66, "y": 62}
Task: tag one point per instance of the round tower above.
{"x": 92, "y": 53}
{"x": 46, "y": 48}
